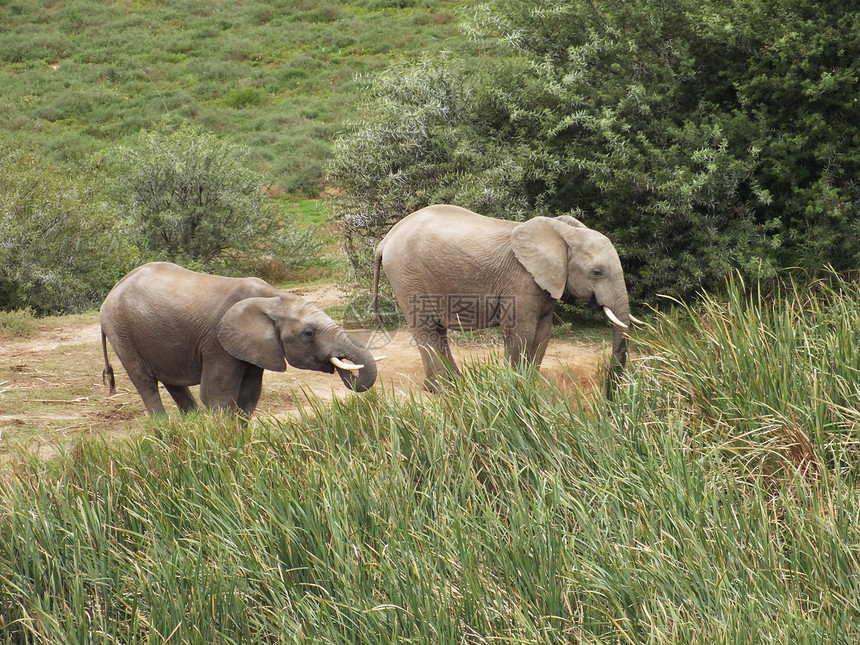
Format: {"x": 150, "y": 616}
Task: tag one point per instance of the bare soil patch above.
{"x": 51, "y": 393}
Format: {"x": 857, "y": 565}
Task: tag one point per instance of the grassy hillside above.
{"x": 279, "y": 76}
{"x": 714, "y": 502}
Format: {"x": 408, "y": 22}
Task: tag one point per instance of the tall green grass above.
{"x": 502, "y": 511}
{"x": 773, "y": 378}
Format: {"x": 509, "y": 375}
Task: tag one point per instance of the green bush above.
{"x": 415, "y": 147}
{"x": 19, "y": 323}
{"x": 194, "y": 200}
{"x": 62, "y": 246}
{"x": 703, "y": 138}
{"x": 244, "y": 97}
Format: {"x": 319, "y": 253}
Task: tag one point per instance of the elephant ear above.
{"x": 540, "y": 247}
{"x": 567, "y": 219}
{"x": 248, "y": 333}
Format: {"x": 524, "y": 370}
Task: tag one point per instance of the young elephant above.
{"x": 181, "y": 328}
{"x": 452, "y": 268}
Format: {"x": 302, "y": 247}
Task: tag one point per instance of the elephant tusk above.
{"x": 345, "y": 365}
{"x": 378, "y": 358}
{"x": 635, "y": 321}
{"x": 612, "y": 317}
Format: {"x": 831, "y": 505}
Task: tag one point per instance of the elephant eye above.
{"x": 596, "y": 272}
{"x": 309, "y": 333}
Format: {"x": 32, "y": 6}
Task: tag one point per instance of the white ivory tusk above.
{"x": 612, "y": 317}
{"x": 635, "y": 321}
{"x": 378, "y": 358}
{"x": 345, "y": 365}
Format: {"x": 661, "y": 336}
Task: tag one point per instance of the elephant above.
{"x": 452, "y": 268}
{"x": 175, "y": 326}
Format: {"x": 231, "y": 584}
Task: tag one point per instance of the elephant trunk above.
{"x": 362, "y": 379}
{"x": 618, "y": 362}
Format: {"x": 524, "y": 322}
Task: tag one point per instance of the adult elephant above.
{"x": 452, "y": 268}
{"x": 178, "y": 327}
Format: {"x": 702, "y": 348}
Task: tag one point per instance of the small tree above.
{"x": 194, "y": 200}
{"x": 413, "y": 145}
{"x": 61, "y": 248}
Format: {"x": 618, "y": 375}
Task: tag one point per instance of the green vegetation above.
{"x": 328, "y": 264}
{"x": 17, "y": 324}
{"x": 715, "y": 501}
{"x": 194, "y": 200}
{"x": 279, "y": 77}
{"x": 206, "y": 105}
{"x": 180, "y": 195}
{"x": 62, "y": 245}
{"x": 702, "y": 137}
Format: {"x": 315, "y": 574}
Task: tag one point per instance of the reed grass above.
{"x": 772, "y": 377}
{"x": 686, "y": 511}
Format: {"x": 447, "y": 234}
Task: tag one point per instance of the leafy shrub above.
{"x": 195, "y": 201}
{"x": 415, "y": 147}
{"x": 244, "y": 97}
{"x": 18, "y": 47}
{"x": 703, "y": 138}
{"x": 62, "y": 247}
{"x": 17, "y": 324}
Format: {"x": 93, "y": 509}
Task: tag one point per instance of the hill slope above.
{"x": 280, "y": 77}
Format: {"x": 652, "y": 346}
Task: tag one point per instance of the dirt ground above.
{"x": 51, "y": 391}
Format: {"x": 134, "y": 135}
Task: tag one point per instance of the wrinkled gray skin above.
{"x": 182, "y": 328}
{"x": 442, "y": 258}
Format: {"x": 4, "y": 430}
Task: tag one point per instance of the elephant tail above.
{"x": 377, "y": 266}
{"x": 107, "y": 374}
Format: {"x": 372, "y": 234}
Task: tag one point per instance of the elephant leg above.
{"x": 220, "y": 382}
{"x": 518, "y": 343}
{"x": 147, "y": 387}
{"x": 182, "y": 395}
{"x": 537, "y": 348}
{"x": 439, "y": 365}
{"x": 250, "y": 389}
{"x": 144, "y": 382}
{"x": 527, "y": 336}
